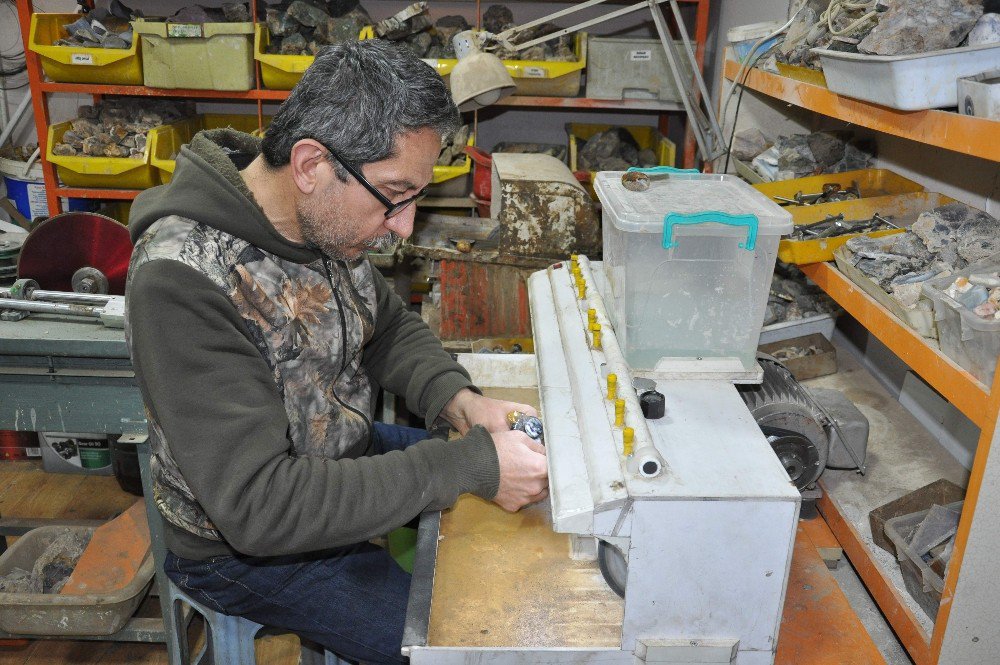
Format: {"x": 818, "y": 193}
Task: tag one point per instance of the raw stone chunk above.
{"x": 280, "y": 24}
{"x": 497, "y": 18}
{"x": 919, "y": 26}
{"x": 236, "y": 12}
{"x": 307, "y": 14}
{"x": 749, "y": 143}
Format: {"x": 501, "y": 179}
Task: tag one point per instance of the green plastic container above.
{"x": 210, "y": 56}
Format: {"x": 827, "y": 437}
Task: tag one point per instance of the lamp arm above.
{"x": 511, "y": 33}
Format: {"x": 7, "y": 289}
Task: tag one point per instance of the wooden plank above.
{"x": 959, "y": 387}
{"x": 818, "y": 626}
{"x": 507, "y": 580}
{"x": 979, "y": 137}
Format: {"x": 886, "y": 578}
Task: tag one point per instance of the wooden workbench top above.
{"x": 507, "y": 580}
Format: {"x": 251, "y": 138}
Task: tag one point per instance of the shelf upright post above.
{"x": 40, "y": 106}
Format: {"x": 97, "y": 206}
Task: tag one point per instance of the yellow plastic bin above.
{"x": 451, "y": 181}
{"x": 880, "y": 189}
{"x": 210, "y": 56}
{"x": 111, "y": 172}
{"x": 166, "y": 141}
{"x": 278, "y": 72}
{"x": 903, "y": 209}
{"x": 645, "y": 137}
{"x": 76, "y": 64}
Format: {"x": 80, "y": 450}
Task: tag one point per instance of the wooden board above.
{"x": 507, "y": 580}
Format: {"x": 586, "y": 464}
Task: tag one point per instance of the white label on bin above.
{"x": 641, "y": 55}
{"x": 82, "y": 59}
{"x": 38, "y": 205}
{"x": 535, "y": 72}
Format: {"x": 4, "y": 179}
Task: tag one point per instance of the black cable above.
{"x": 736, "y": 115}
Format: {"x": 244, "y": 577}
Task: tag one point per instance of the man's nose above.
{"x": 402, "y": 224}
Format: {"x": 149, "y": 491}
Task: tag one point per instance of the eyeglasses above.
{"x": 391, "y": 209}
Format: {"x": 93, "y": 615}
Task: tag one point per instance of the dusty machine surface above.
{"x": 543, "y": 210}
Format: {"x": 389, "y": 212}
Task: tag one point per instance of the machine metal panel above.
{"x": 48, "y": 335}
{"x": 709, "y": 570}
{"x": 713, "y": 447}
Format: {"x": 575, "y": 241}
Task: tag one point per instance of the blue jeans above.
{"x": 350, "y": 600}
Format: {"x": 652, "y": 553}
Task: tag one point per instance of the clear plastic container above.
{"x": 688, "y": 264}
{"x": 970, "y": 340}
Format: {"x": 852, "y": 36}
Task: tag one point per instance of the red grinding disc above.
{"x": 63, "y": 244}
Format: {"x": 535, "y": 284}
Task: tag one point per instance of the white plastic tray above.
{"x": 906, "y": 82}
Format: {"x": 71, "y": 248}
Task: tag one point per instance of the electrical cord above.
{"x": 736, "y": 113}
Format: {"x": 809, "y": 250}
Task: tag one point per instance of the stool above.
{"x": 228, "y": 639}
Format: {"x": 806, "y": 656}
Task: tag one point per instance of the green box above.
{"x": 209, "y": 56}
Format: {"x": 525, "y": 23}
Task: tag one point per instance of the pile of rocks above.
{"x": 940, "y": 242}
{"x": 453, "y": 148}
{"x": 613, "y": 150}
{"x": 498, "y": 18}
{"x": 304, "y": 27}
{"x": 802, "y": 155}
{"x": 794, "y": 296}
{"x": 96, "y": 31}
{"x": 884, "y": 27}
{"x": 18, "y": 153}
{"x": 118, "y": 128}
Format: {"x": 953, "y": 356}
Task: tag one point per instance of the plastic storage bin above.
{"x": 87, "y": 171}
{"x": 743, "y": 37}
{"x": 209, "y": 56}
{"x": 906, "y": 82}
{"x": 920, "y": 317}
{"x": 970, "y": 340}
{"x": 689, "y": 265}
{"x": 629, "y": 68}
{"x": 59, "y": 614}
{"x": 282, "y": 72}
{"x": 166, "y": 141}
{"x": 921, "y": 581}
{"x": 76, "y": 64}
{"x": 645, "y": 137}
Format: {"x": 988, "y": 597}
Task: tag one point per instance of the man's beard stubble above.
{"x": 334, "y": 239}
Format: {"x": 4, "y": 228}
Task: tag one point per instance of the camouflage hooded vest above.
{"x": 309, "y": 322}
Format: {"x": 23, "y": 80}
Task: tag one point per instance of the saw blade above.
{"x": 63, "y": 244}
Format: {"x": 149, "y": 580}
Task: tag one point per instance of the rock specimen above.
{"x": 612, "y": 150}
{"x": 117, "y": 128}
{"x": 919, "y": 26}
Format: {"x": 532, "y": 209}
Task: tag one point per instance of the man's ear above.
{"x": 307, "y": 158}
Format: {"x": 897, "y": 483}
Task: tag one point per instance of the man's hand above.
{"x": 468, "y": 409}
{"x": 524, "y": 477}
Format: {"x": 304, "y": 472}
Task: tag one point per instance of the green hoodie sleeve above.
{"x": 406, "y": 359}
{"x": 224, "y": 421}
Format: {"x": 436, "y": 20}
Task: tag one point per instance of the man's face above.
{"x": 344, "y": 219}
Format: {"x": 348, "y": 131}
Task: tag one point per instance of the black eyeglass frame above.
{"x": 391, "y": 209}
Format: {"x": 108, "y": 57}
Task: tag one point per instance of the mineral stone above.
{"x": 497, "y": 18}
{"x": 919, "y": 26}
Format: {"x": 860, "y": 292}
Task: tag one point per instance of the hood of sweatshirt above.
{"x": 208, "y": 188}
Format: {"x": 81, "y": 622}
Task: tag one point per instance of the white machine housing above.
{"x": 709, "y": 536}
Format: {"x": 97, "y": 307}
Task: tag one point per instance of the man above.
{"x": 260, "y": 336}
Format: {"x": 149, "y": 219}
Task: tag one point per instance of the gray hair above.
{"x": 357, "y": 98}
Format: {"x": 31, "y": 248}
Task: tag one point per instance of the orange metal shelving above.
{"x": 41, "y": 88}
{"x": 972, "y": 136}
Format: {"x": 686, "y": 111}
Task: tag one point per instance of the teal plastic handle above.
{"x": 662, "y": 169}
{"x": 680, "y": 219}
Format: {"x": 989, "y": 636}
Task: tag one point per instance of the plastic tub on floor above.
{"x": 65, "y": 615}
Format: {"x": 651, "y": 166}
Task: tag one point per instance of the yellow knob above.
{"x": 596, "y": 330}
{"x": 591, "y": 317}
{"x": 581, "y": 290}
{"x": 619, "y": 413}
{"x": 612, "y": 386}
{"x": 574, "y": 270}
{"x": 574, "y": 257}
{"x": 628, "y": 441}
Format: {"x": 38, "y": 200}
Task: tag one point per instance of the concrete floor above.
{"x": 870, "y": 615}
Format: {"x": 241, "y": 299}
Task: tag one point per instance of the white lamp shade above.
{"x": 479, "y": 79}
